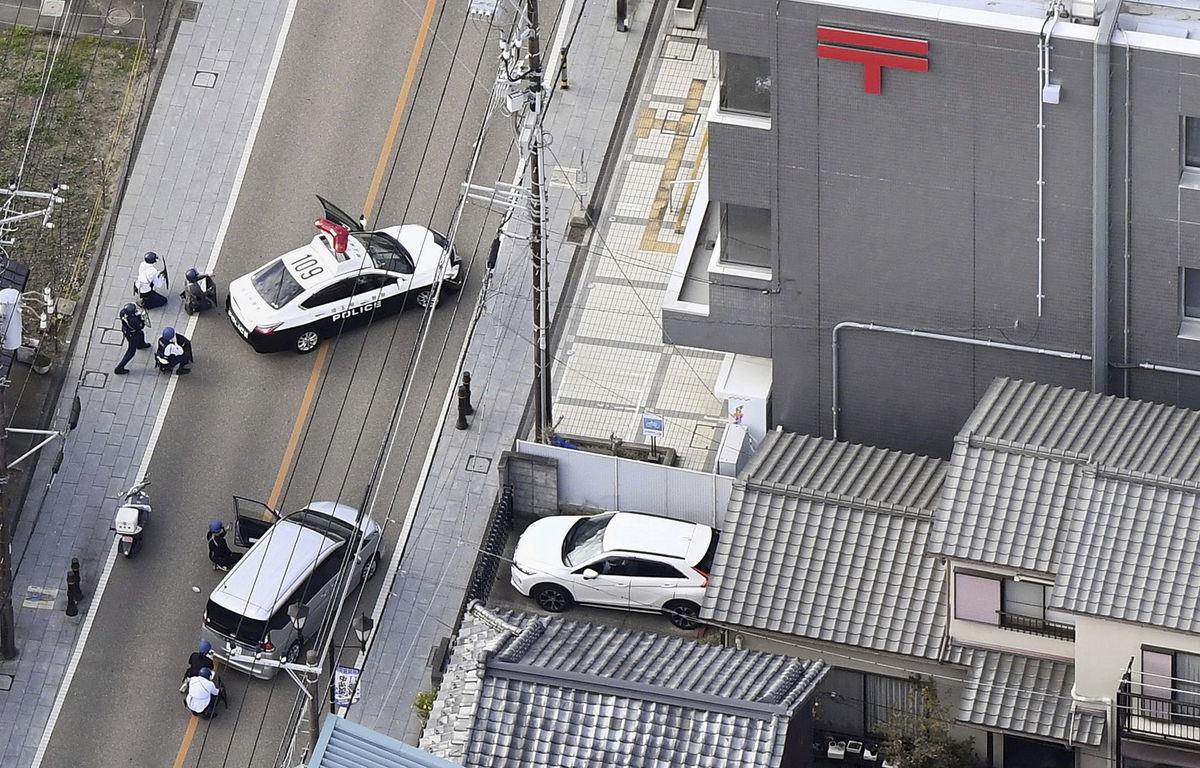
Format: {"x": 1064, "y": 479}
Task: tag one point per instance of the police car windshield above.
{"x": 386, "y": 252}
{"x": 275, "y": 284}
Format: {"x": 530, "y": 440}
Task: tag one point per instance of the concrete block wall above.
{"x": 534, "y": 480}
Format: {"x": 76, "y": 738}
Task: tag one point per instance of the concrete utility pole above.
{"x": 537, "y": 243}
{"x": 8, "y": 630}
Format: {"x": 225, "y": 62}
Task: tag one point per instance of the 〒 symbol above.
{"x": 874, "y": 51}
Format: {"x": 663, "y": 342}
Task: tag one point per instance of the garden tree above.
{"x": 919, "y": 735}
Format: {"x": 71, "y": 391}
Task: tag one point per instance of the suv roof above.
{"x": 650, "y": 534}
{"x": 277, "y": 563}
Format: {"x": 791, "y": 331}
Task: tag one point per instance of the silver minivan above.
{"x": 294, "y": 558}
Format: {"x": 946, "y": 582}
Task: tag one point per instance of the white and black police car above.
{"x": 344, "y": 278}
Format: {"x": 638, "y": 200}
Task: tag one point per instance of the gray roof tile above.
{"x": 343, "y": 744}
{"x": 826, "y": 540}
{"x": 1025, "y": 694}
{"x": 531, "y": 691}
{"x": 1055, "y": 480}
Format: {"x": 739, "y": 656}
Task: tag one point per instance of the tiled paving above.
{"x": 188, "y": 136}
{"x": 613, "y": 364}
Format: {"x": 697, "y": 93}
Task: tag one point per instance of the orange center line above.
{"x": 285, "y": 466}
{"x": 409, "y": 74}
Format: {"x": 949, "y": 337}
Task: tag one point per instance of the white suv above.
{"x": 623, "y": 560}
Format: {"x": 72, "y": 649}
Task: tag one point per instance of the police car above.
{"x": 346, "y": 277}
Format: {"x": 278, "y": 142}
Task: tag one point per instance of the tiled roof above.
{"x": 1026, "y": 695}
{"x": 1135, "y": 551}
{"x": 826, "y": 540}
{"x": 547, "y": 691}
{"x": 1096, "y": 490}
{"x": 344, "y": 744}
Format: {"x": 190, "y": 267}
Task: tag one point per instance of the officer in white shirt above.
{"x": 150, "y": 281}
{"x": 203, "y": 694}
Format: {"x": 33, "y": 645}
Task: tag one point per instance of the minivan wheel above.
{"x": 369, "y": 568}
{"x": 293, "y": 652}
{"x": 552, "y": 598}
{"x": 683, "y": 614}
{"x": 307, "y": 342}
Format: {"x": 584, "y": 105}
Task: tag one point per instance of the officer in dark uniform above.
{"x": 133, "y": 329}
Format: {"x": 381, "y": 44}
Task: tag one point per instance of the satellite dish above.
{"x": 10, "y": 319}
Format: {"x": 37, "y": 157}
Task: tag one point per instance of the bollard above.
{"x": 562, "y": 70}
{"x": 72, "y": 587}
{"x": 622, "y": 15}
{"x": 463, "y": 395}
{"x": 466, "y": 382}
{"x": 78, "y": 579}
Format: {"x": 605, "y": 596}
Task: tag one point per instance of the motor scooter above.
{"x": 132, "y": 516}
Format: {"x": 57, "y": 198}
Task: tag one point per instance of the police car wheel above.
{"x": 307, "y": 341}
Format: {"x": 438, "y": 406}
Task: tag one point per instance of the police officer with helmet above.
{"x": 133, "y": 327}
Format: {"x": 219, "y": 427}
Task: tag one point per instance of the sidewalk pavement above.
{"x": 612, "y": 333}
{"x": 180, "y": 183}
{"x": 612, "y": 363}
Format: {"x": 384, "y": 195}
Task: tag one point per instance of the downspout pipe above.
{"x": 1101, "y": 147}
{"x": 935, "y": 337}
{"x": 1052, "y": 13}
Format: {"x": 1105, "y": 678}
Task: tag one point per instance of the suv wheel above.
{"x": 552, "y": 598}
{"x": 369, "y": 569}
{"x": 424, "y": 298}
{"x": 683, "y": 614}
{"x": 293, "y": 652}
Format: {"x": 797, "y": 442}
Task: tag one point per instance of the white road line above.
{"x": 239, "y": 177}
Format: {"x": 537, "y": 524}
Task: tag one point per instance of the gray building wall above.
{"x": 917, "y": 208}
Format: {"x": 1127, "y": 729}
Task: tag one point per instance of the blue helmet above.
{"x": 192, "y": 275}
{"x": 150, "y": 257}
{"x": 129, "y": 309}
{"x": 206, "y": 673}
{"x": 215, "y": 526}
{"x": 168, "y": 333}
{"x": 205, "y": 646}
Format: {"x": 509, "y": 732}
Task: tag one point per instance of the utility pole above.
{"x": 12, "y": 314}
{"x": 310, "y": 685}
{"x": 537, "y": 243}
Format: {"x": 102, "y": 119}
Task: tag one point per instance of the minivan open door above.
{"x": 338, "y": 216}
{"x": 253, "y": 520}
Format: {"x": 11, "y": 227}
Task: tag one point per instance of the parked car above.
{"x": 625, "y": 560}
{"x": 347, "y": 276}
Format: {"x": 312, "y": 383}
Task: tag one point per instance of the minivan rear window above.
{"x": 234, "y": 625}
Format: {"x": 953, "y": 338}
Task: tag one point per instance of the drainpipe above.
{"x": 1168, "y": 369}
{"x": 1101, "y": 144}
{"x": 1052, "y": 13}
{"x": 1128, "y": 217}
{"x": 936, "y": 337}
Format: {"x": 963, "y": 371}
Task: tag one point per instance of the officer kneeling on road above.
{"x": 203, "y": 694}
{"x": 174, "y": 349}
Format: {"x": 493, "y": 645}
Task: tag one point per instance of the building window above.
{"x": 1191, "y": 293}
{"x": 1170, "y": 686}
{"x": 1019, "y": 605}
{"x": 1191, "y": 142}
{"x": 745, "y": 83}
{"x": 976, "y": 598}
{"x": 852, "y": 704}
{"x": 745, "y": 235}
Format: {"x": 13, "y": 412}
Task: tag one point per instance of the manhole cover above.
{"x": 479, "y": 464}
{"x": 119, "y": 17}
{"x": 189, "y": 10}
{"x": 204, "y": 79}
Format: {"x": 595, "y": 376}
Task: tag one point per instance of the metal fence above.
{"x": 607, "y": 482}
{"x": 492, "y": 549}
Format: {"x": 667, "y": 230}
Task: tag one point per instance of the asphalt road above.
{"x": 230, "y": 421}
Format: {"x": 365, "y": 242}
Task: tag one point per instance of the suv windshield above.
{"x": 585, "y": 541}
{"x": 275, "y": 284}
{"x": 328, "y": 525}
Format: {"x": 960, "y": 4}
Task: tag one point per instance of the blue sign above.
{"x": 653, "y": 426}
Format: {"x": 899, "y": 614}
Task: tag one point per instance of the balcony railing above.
{"x": 1172, "y": 715}
{"x": 1034, "y": 626}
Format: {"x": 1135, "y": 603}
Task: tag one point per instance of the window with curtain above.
{"x": 976, "y": 598}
